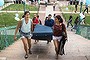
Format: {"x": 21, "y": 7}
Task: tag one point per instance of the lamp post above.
{"x": 24, "y": 5}
{"x": 38, "y": 6}
{"x": 81, "y": 3}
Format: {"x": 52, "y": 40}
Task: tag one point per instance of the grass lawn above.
{"x": 71, "y": 8}
{"x": 87, "y": 19}
{"x": 20, "y": 7}
{"x": 8, "y": 19}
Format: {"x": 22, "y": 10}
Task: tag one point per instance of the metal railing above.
{"x": 7, "y": 36}
{"x": 84, "y": 31}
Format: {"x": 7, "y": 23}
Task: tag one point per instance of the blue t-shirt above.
{"x": 49, "y": 23}
{"x": 86, "y": 6}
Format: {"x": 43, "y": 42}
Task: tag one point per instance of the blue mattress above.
{"x": 42, "y": 32}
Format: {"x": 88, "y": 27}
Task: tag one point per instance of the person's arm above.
{"x": 40, "y": 22}
{"x": 17, "y": 28}
{"x": 34, "y": 22}
{"x": 65, "y": 31}
{"x": 53, "y": 22}
{"x": 32, "y": 28}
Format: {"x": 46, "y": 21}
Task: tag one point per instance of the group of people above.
{"x": 76, "y": 7}
{"x": 26, "y": 26}
{"x": 76, "y": 22}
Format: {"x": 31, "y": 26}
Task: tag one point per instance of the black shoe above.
{"x": 56, "y": 56}
{"x": 61, "y": 54}
{"x": 71, "y": 29}
{"x": 26, "y": 56}
{"x": 30, "y": 52}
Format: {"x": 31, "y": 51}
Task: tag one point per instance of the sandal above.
{"x": 56, "y": 56}
{"x": 26, "y": 56}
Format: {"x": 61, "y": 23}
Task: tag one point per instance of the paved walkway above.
{"x": 76, "y": 48}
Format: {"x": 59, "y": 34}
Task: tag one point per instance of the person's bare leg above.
{"x": 29, "y": 45}
{"x": 24, "y": 40}
{"x": 56, "y": 47}
{"x": 55, "y": 43}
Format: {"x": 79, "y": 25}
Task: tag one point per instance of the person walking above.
{"x": 26, "y": 26}
{"x": 50, "y": 23}
{"x": 76, "y": 22}
{"x": 46, "y": 2}
{"x": 35, "y": 21}
{"x": 69, "y": 21}
{"x": 76, "y": 6}
{"x": 58, "y": 28}
{"x": 39, "y": 22}
{"x": 54, "y": 4}
{"x": 86, "y": 8}
{"x": 71, "y": 2}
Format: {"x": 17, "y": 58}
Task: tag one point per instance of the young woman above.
{"x": 58, "y": 28}
{"x": 25, "y": 25}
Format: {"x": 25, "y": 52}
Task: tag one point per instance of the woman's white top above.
{"x": 26, "y": 27}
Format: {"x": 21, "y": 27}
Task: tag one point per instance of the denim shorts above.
{"x": 25, "y": 35}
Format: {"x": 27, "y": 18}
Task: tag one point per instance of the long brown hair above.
{"x": 59, "y": 18}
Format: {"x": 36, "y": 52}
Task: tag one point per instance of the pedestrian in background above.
{"x": 46, "y": 3}
{"x": 76, "y": 6}
{"x": 86, "y": 8}
{"x": 76, "y": 22}
{"x": 69, "y": 21}
{"x": 54, "y": 4}
{"x": 35, "y": 22}
{"x": 50, "y": 23}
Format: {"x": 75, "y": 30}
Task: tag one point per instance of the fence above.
{"x": 7, "y": 36}
{"x": 84, "y": 31}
